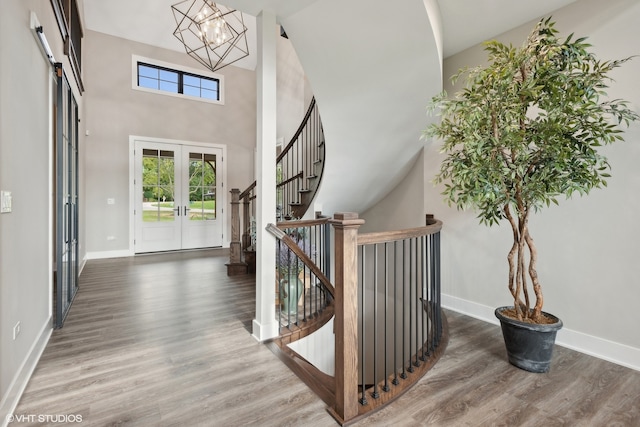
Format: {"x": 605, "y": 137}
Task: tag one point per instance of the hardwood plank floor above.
{"x": 164, "y": 340}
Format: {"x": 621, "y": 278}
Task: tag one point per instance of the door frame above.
{"x": 222, "y": 198}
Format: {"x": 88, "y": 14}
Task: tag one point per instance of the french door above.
{"x": 176, "y": 196}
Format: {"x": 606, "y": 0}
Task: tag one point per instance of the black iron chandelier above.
{"x": 212, "y": 34}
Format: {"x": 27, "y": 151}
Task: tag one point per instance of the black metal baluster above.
{"x": 423, "y": 284}
{"x": 375, "y": 393}
{"x": 410, "y": 368}
{"x": 434, "y": 315}
{"x": 437, "y": 296}
{"x": 429, "y": 295}
{"x": 395, "y": 380}
{"x": 386, "y": 325}
{"x": 313, "y": 291}
{"x": 279, "y": 307}
{"x": 363, "y": 399}
{"x": 403, "y": 375}
{"x": 418, "y": 304}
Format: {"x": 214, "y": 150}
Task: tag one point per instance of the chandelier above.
{"x": 212, "y": 34}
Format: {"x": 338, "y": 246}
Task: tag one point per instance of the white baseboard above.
{"x": 109, "y": 254}
{"x": 601, "y": 348}
{"x": 82, "y": 264}
{"x": 20, "y": 380}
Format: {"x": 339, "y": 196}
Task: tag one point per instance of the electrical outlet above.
{"x": 16, "y": 330}
{"x": 5, "y": 201}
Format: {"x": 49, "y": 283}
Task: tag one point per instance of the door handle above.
{"x": 185, "y": 210}
{"x": 177, "y": 210}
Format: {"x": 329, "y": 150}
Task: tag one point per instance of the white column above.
{"x": 265, "y": 325}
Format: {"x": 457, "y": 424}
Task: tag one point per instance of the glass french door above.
{"x": 176, "y": 195}
{"x": 66, "y": 197}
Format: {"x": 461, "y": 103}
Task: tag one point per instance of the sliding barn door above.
{"x": 66, "y": 197}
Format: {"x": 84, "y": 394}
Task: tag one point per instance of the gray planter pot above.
{"x": 529, "y": 346}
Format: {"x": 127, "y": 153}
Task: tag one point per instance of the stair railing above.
{"x": 299, "y": 166}
{"x": 242, "y": 244}
{"x": 302, "y": 289}
{"x": 247, "y": 198}
{"x": 388, "y": 324}
{"x": 401, "y": 327}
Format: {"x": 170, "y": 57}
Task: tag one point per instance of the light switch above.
{"x": 111, "y": 201}
{"x": 5, "y": 201}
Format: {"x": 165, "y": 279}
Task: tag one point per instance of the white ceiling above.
{"x": 465, "y": 22}
{"x": 469, "y": 22}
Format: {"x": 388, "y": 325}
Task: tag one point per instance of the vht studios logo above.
{"x": 44, "y": 418}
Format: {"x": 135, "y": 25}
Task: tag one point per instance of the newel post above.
{"x": 235, "y": 265}
{"x": 346, "y": 314}
{"x": 246, "y": 222}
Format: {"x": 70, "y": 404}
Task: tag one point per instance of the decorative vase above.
{"x": 290, "y": 291}
{"x": 529, "y": 345}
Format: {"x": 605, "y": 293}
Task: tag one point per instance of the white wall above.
{"x": 115, "y": 111}
{"x": 292, "y": 87}
{"x": 371, "y": 92}
{"x": 403, "y": 207}
{"x": 25, "y": 169}
{"x": 587, "y": 246}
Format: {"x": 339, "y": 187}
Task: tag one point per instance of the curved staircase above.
{"x": 300, "y": 166}
{"x": 384, "y": 307}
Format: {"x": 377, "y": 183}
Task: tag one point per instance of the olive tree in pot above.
{"x": 524, "y": 131}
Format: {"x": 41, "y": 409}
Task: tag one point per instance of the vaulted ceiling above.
{"x": 464, "y": 22}
{"x": 373, "y": 66}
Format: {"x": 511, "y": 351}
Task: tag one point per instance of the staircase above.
{"x": 299, "y": 167}
{"x": 388, "y": 328}
{"x": 373, "y": 70}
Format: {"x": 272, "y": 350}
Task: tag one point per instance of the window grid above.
{"x": 176, "y": 81}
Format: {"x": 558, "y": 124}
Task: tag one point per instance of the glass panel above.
{"x": 191, "y": 80}
{"x": 158, "y": 186}
{"x": 168, "y": 86}
{"x": 209, "y": 94}
{"x": 210, "y": 84}
{"x": 202, "y": 186}
{"x": 195, "y": 204}
{"x": 169, "y": 76}
{"x": 191, "y": 91}
{"x": 149, "y": 204}
{"x": 148, "y": 83}
{"x": 209, "y": 187}
{"x": 146, "y": 71}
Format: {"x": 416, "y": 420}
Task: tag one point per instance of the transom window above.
{"x": 169, "y": 79}
{"x": 175, "y": 81}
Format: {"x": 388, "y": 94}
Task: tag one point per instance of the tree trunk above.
{"x": 537, "y": 289}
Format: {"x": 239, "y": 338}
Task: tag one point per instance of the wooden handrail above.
{"x": 390, "y": 236}
{"x": 246, "y": 192}
{"x": 298, "y": 132}
{"x": 302, "y": 223}
{"x": 293, "y": 178}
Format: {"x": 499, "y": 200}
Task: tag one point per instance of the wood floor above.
{"x": 164, "y": 340}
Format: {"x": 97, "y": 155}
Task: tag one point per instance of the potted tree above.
{"x": 523, "y": 132}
